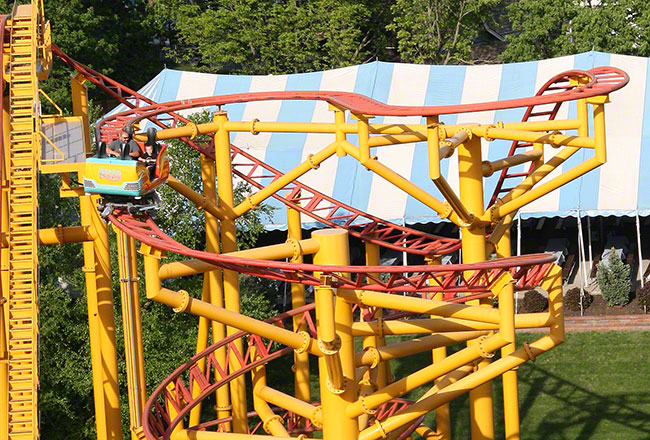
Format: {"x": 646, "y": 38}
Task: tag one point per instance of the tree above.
{"x": 116, "y": 38}
{"x": 65, "y": 374}
{"x": 438, "y": 31}
{"x": 273, "y": 37}
{"x": 551, "y": 28}
{"x": 614, "y": 280}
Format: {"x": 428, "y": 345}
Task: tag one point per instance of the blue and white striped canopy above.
{"x": 620, "y": 187}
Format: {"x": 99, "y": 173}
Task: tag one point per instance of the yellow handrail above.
{"x": 51, "y": 101}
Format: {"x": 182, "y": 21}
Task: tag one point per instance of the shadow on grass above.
{"x": 580, "y": 412}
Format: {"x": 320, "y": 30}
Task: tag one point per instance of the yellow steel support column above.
{"x": 86, "y": 204}
{"x": 300, "y": 360}
{"x": 334, "y": 250}
{"x": 443, "y": 421}
{"x": 212, "y": 293}
{"x": 378, "y": 340}
{"x": 230, "y": 278}
{"x": 510, "y": 388}
{"x": 201, "y": 343}
{"x": 79, "y": 94}
{"x": 104, "y": 414}
{"x": 473, "y": 246}
{"x": 132, "y": 323}
{"x": 101, "y": 321}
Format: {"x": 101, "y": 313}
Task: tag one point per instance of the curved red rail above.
{"x": 188, "y": 385}
{"x": 602, "y": 80}
{"x": 603, "y": 75}
{"x": 610, "y": 79}
{"x": 189, "y": 376}
{"x": 372, "y": 229}
{"x": 451, "y": 279}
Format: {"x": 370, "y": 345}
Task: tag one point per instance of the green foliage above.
{"x": 66, "y": 399}
{"x": 115, "y": 38}
{"x": 438, "y": 32}
{"x": 572, "y": 299}
{"x": 534, "y": 302}
{"x": 614, "y": 280}
{"x": 272, "y": 37}
{"x": 65, "y": 378}
{"x": 550, "y": 28}
{"x": 258, "y": 297}
{"x": 111, "y": 37}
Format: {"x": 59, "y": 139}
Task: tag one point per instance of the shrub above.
{"x": 643, "y": 294}
{"x": 572, "y": 299}
{"x": 614, "y": 280}
{"x": 534, "y": 302}
{"x": 258, "y": 296}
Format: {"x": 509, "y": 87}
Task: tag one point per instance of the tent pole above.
{"x": 581, "y": 258}
{"x": 581, "y": 251}
{"x": 518, "y": 233}
{"x": 638, "y": 245}
{"x": 591, "y": 256}
{"x": 404, "y": 254}
{"x": 460, "y": 251}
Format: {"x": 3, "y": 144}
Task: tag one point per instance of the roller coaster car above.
{"x": 125, "y": 182}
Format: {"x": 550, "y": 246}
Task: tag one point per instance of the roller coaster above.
{"x": 348, "y": 328}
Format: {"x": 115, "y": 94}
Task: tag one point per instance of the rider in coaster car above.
{"x": 124, "y": 147}
{"x": 151, "y": 149}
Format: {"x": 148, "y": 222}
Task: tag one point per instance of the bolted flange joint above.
{"x": 317, "y": 417}
{"x": 253, "y": 131}
{"x": 382, "y": 432}
{"x": 306, "y": 341}
{"x": 485, "y": 354}
{"x": 334, "y": 390}
{"x": 297, "y": 250}
{"x": 488, "y": 168}
{"x": 267, "y": 422}
{"x": 330, "y": 349}
{"x": 184, "y": 303}
{"x": 366, "y": 409}
{"x": 314, "y": 165}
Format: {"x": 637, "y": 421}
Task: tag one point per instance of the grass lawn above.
{"x": 594, "y": 386}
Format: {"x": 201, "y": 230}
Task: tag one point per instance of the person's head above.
{"x": 148, "y": 148}
{"x": 124, "y": 136}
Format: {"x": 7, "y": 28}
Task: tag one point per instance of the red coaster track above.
{"x": 189, "y": 384}
{"x": 322, "y": 208}
{"x": 451, "y": 279}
